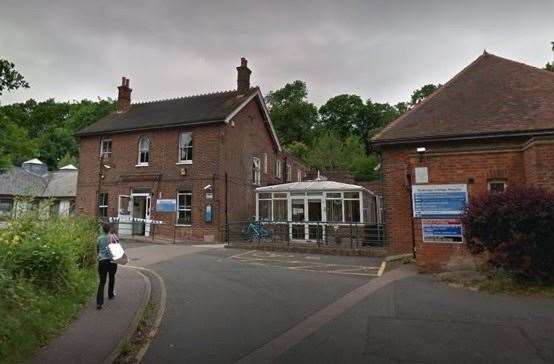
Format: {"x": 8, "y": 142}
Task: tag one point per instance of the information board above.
{"x": 166, "y": 205}
{"x": 439, "y": 200}
{"x": 441, "y": 231}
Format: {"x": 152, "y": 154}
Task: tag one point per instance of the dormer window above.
{"x": 185, "y": 148}
{"x": 144, "y": 151}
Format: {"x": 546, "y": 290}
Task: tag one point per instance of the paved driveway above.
{"x": 228, "y": 305}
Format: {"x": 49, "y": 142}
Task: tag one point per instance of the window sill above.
{"x": 183, "y": 225}
{"x": 142, "y": 165}
{"x": 184, "y": 162}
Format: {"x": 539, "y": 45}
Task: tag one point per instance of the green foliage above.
{"x": 298, "y": 149}
{"x": 10, "y": 79}
{"x": 67, "y": 159}
{"x": 343, "y": 115}
{"x": 292, "y": 115}
{"x": 45, "y": 129}
{"x": 46, "y": 273}
{"x": 421, "y": 93}
{"x": 330, "y": 152}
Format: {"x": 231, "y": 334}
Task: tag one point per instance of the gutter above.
{"x": 85, "y": 134}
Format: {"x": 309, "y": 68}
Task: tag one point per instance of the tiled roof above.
{"x": 493, "y": 96}
{"x": 19, "y": 182}
{"x": 199, "y": 109}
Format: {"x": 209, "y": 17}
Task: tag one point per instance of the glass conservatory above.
{"x": 312, "y": 209}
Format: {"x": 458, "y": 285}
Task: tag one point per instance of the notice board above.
{"x": 435, "y": 201}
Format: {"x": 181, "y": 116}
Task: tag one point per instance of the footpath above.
{"x": 96, "y": 335}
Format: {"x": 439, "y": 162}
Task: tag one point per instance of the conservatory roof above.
{"x": 315, "y": 185}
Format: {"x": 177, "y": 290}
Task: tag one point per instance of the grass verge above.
{"x": 497, "y": 283}
{"x": 39, "y": 315}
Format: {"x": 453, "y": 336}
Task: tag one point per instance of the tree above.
{"x": 421, "y": 93}
{"x": 343, "y": 114}
{"x": 10, "y": 79}
{"x": 550, "y": 66}
{"x": 15, "y": 144}
{"x": 298, "y": 149}
{"x": 292, "y": 115}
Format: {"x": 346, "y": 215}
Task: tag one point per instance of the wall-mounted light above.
{"x": 421, "y": 150}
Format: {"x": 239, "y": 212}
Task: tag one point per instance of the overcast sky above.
{"x": 381, "y": 50}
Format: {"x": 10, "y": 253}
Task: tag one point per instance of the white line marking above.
{"x": 240, "y": 255}
{"x": 382, "y": 268}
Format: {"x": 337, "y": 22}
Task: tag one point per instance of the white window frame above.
{"x": 189, "y": 147}
{"x": 493, "y": 181}
{"x": 140, "y": 151}
{"x": 265, "y": 163}
{"x": 103, "y": 152}
{"x": 278, "y": 169}
{"x": 289, "y": 173}
{"x": 184, "y": 209}
{"x": 299, "y": 175}
{"x": 256, "y": 171}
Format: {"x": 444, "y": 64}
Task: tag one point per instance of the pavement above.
{"x": 228, "y": 305}
{"x": 95, "y": 335}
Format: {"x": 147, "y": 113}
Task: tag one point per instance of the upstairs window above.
{"x": 185, "y": 147}
{"x": 497, "y": 186}
{"x": 256, "y": 169}
{"x": 299, "y": 176}
{"x": 265, "y": 163}
{"x": 144, "y": 151}
{"x": 278, "y": 169}
{"x": 105, "y": 148}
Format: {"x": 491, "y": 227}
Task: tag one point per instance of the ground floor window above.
{"x": 184, "y": 208}
{"x": 497, "y": 186}
{"x": 280, "y": 211}
{"x": 103, "y": 204}
{"x": 334, "y": 210}
{"x": 264, "y": 206}
{"x": 6, "y": 206}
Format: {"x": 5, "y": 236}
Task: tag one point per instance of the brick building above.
{"x": 489, "y": 127}
{"x": 192, "y": 162}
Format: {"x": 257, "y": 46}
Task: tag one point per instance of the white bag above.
{"x": 116, "y": 250}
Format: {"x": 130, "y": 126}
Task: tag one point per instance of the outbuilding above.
{"x": 490, "y": 127}
{"x": 314, "y": 210}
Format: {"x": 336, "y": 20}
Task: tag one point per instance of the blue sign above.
{"x": 166, "y": 205}
{"x": 441, "y": 230}
{"x": 438, "y": 200}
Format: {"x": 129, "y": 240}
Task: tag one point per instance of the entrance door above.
{"x": 315, "y": 230}
{"x": 139, "y": 214}
{"x": 124, "y": 215}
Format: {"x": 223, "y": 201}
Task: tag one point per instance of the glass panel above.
{"x": 279, "y": 195}
{"x": 298, "y": 232}
{"x": 297, "y": 193}
{"x": 315, "y": 193}
{"x": 351, "y": 195}
{"x": 334, "y": 195}
{"x": 334, "y": 210}
{"x": 315, "y": 232}
{"x": 280, "y": 210}
{"x": 352, "y": 210}
{"x": 185, "y": 146}
{"x": 264, "y": 210}
{"x": 262, "y": 196}
{"x": 314, "y": 210}
{"x": 297, "y": 210}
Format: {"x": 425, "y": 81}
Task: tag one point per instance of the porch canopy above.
{"x": 317, "y": 201}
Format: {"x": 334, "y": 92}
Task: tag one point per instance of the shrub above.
{"x": 516, "y": 228}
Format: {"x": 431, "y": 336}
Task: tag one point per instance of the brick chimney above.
{"x": 243, "y": 76}
{"x": 124, "y": 96}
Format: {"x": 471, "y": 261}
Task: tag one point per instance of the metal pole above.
{"x": 226, "y": 206}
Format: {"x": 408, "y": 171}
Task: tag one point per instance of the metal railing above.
{"x": 347, "y": 235}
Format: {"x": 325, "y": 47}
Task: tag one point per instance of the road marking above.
{"x": 236, "y": 256}
{"x": 382, "y": 268}
{"x": 272, "y": 350}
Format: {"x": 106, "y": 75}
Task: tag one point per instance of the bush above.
{"x": 45, "y": 275}
{"x": 516, "y": 228}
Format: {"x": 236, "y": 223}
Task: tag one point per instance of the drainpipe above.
{"x": 412, "y": 220}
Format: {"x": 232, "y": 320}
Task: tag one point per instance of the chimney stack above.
{"x": 124, "y": 96}
{"x": 243, "y": 76}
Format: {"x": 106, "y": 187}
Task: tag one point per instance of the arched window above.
{"x": 144, "y": 148}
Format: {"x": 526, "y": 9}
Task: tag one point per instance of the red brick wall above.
{"x": 473, "y": 164}
{"x": 217, "y": 149}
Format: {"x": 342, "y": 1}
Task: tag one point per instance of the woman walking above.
{"x": 105, "y": 265}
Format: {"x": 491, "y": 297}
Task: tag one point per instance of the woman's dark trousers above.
{"x": 105, "y": 267}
